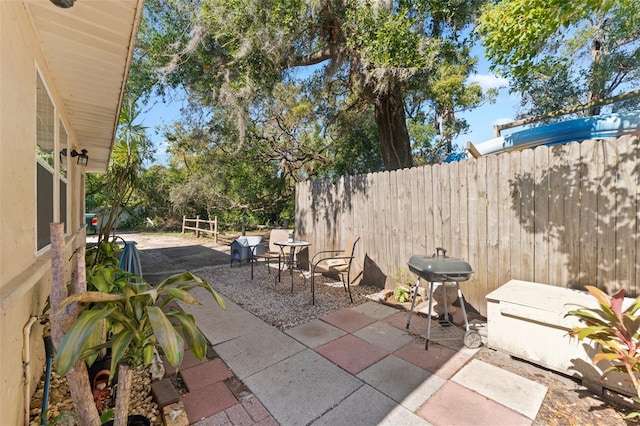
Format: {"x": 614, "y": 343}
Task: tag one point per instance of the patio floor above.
{"x": 354, "y": 366}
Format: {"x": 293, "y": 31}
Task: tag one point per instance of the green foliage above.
{"x": 117, "y": 186}
{"x": 137, "y": 322}
{"x": 614, "y": 330}
{"x": 514, "y": 31}
{"x": 232, "y": 56}
{"x": 402, "y": 294}
{"x": 559, "y": 54}
{"x": 103, "y": 273}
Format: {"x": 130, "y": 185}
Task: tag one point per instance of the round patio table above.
{"x": 293, "y": 245}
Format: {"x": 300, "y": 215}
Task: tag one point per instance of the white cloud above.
{"x": 489, "y": 81}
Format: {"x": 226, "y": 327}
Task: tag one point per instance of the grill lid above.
{"x": 439, "y": 264}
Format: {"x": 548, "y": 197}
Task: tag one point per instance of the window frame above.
{"x": 54, "y": 200}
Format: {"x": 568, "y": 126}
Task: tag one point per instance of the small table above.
{"x": 293, "y": 245}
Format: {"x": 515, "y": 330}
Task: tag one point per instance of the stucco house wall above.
{"x": 25, "y": 270}
{"x": 25, "y": 273}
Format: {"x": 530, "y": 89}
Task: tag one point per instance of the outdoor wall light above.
{"x": 83, "y": 158}
{"x": 63, "y": 3}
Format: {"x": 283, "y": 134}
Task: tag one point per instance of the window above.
{"x": 63, "y": 139}
{"x": 45, "y": 145}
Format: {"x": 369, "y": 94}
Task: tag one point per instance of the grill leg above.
{"x": 464, "y": 310}
{"x": 428, "y": 332}
{"x": 413, "y": 302}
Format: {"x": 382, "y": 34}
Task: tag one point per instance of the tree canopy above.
{"x": 374, "y": 57}
{"x": 559, "y": 54}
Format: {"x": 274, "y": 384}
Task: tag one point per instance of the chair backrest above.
{"x": 350, "y": 247}
{"x": 278, "y": 235}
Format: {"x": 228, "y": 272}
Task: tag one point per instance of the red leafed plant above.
{"x": 615, "y": 330}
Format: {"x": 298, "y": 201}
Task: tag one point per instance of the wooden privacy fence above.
{"x": 197, "y": 222}
{"x": 566, "y": 215}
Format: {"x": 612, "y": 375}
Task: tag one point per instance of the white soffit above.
{"x": 87, "y": 50}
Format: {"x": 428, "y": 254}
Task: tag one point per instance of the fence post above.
{"x": 197, "y": 226}
{"x": 184, "y": 220}
{"x": 215, "y": 230}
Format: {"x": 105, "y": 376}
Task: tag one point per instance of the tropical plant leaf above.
{"x": 93, "y": 342}
{"x": 74, "y": 341}
{"x": 616, "y": 303}
{"x": 180, "y": 294}
{"x": 600, "y": 356}
{"x": 89, "y": 297}
{"x": 121, "y": 320}
{"x": 119, "y": 345}
{"x": 167, "y": 336}
{"x": 195, "y": 340}
{"x": 601, "y": 296}
{"x": 178, "y": 279}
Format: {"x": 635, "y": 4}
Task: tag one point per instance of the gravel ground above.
{"x": 273, "y": 301}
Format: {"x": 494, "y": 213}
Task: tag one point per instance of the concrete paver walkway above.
{"x": 357, "y": 366}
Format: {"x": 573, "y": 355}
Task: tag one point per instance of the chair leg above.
{"x": 313, "y": 288}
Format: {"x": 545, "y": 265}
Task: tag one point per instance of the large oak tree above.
{"x": 232, "y": 53}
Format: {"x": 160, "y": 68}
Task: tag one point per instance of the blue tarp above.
{"x": 130, "y": 259}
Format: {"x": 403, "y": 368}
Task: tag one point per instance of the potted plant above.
{"x": 134, "y": 314}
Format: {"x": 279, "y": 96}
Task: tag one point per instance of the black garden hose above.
{"x": 48, "y": 348}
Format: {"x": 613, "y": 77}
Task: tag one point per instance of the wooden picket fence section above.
{"x": 198, "y": 226}
{"x": 566, "y": 215}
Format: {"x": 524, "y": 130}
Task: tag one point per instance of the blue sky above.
{"x": 481, "y": 120}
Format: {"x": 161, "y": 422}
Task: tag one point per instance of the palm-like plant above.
{"x": 130, "y": 149}
{"x": 616, "y": 331}
{"x": 138, "y": 320}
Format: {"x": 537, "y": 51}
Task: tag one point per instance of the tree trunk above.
{"x": 392, "y": 127}
{"x": 598, "y": 53}
{"x": 125, "y": 377}
{"x": 78, "y": 377}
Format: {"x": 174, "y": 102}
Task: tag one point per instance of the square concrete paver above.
{"x": 367, "y": 406}
{"x": 401, "y": 381}
{"x": 518, "y": 393}
{"x": 375, "y": 310}
{"x": 347, "y": 319}
{"x": 207, "y": 401}
{"x": 384, "y": 336}
{"x": 205, "y": 374}
{"x": 351, "y": 353}
{"x": 256, "y": 350}
{"x": 454, "y": 404}
{"x": 418, "y": 324}
{"x": 440, "y": 360}
{"x": 315, "y": 333}
{"x": 301, "y": 388}
{"x": 220, "y": 325}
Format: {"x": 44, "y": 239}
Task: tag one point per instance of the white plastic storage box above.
{"x": 528, "y": 320}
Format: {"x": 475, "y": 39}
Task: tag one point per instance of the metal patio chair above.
{"x": 274, "y": 251}
{"x": 336, "y": 262}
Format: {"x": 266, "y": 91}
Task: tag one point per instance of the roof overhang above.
{"x": 88, "y": 49}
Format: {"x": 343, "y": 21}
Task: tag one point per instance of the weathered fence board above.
{"x": 565, "y": 215}
{"x": 197, "y": 222}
